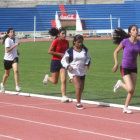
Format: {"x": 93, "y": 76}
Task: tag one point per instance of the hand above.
{"x": 114, "y": 69}
{"x": 87, "y": 67}
{"x": 70, "y": 68}
{"x": 61, "y": 54}
{"x": 17, "y": 43}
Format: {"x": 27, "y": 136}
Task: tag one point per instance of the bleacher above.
{"x": 126, "y": 12}
{"x": 46, "y": 13}
{"x": 22, "y": 19}
{"x": 19, "y": 18}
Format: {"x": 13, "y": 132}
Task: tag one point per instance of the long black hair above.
{"x": 119, "y": 34}
{"x": 8, "y": 31}
{"x": 54, "y": 31}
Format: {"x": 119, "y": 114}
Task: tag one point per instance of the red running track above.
{"x": 30, "y": 118}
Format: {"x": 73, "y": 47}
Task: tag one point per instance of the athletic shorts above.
{"x": 55, "y": 66}
{"x": 125, "y": 71}
{"x": 8, "y": 64}
{"x": 81, "y": 77}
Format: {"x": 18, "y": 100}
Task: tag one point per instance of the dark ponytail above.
{"x": 8, "y": 31}
{"x": 4, "y": 38}
{"x": 118, "y": 35}
{"x": 54, "y": 31}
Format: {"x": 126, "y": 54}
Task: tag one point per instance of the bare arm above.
{"x": 114, "y": 69}
{"x": 87, "y": 67}
{"x": 52, "y": 52}
{"x": 12, "y": 47}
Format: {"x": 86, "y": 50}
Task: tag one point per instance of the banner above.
{"x": 67, "y": 17}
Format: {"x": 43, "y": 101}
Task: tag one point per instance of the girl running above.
{"x": 10, "y": 58}
{"x": 131, "y": 49}
{"x": 57, "y": 50}
{"x": 76, "y": 60}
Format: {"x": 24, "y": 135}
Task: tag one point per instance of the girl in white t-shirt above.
{"x": 77, "y": 60}
{"x": 10, "y": 58}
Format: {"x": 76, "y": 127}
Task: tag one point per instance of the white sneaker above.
{"x": 117, "y": 86}
{"x": 126, "y": 110}
{"x": 45, "y": 79}
{"x": 80, "y": 106}
{"x": 18, "y": 88}
{"x": 2, "y": 88}
{"x": 64, "y": 99}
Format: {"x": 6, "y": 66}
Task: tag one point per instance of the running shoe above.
{"x": 45, "y": 79}
{"x": 79, "y": 106}
{"x": 18, "y": 88}
{"x": 64, "y": 99}
{"x": 126, "y": 110}
{"x": 117, "y": 86}
{"x": 2, "y": 88}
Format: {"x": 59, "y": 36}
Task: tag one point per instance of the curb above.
{"x": 74, "y": 100}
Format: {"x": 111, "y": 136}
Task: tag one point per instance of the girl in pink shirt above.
{"x": 131, "y": 49}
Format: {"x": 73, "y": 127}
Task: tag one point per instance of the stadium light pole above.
{"x": 34, "y": 27}
{"x": 111, "y": 23}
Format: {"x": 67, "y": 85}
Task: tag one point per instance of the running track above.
{"x": 31, "y": 118}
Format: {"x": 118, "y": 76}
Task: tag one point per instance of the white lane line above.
{"x": 64, "y": 127}
{"x": 71, "y": 113}
{"x": 9, "y": 137}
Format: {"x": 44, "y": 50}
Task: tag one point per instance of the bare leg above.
{"x": 129, "y": 86}
{"x": 5, "y": 76}
{"x": 16, "y": 73}
{"x": 54, "y": 78}
{"x": 63, "y": 76}
{"x": 79, "y": 86}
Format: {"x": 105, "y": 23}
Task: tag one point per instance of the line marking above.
{"x": 74, "y": 100}
{"x": 4, "y": 136}
{"x": 77, "y": 114}
{"x": 64, "y": 127}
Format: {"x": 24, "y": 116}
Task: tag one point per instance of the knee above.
{"x": 55, "y": 81}
{"x": 16, "y": 71}
{"x": 6, "y": 75}
{"x": 131, "y": 90}
{"x": 63, "y": 82}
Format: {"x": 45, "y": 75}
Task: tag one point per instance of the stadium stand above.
{"x": 22, "y": 19}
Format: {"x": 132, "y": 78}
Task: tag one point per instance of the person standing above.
{"x": 57, "y": 49}
{"x": 77, "y": 60}
{"x": 131, "y": 49}
{"x": 10, "y": 58}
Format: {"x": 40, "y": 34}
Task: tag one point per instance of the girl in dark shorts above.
{"x": 10, "y": 58}
{"x": 131, "y": 49}
{"x": 57, "y": 50}
{"x": 77, "y": 61}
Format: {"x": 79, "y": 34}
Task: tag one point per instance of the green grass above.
{"x": 34, "y": 63}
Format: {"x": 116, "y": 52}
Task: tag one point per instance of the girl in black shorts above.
{"x": 10, "y": 58}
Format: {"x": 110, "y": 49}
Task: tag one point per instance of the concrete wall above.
{"x": 33, "y": 3}
{"x": 96, "y": 1}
